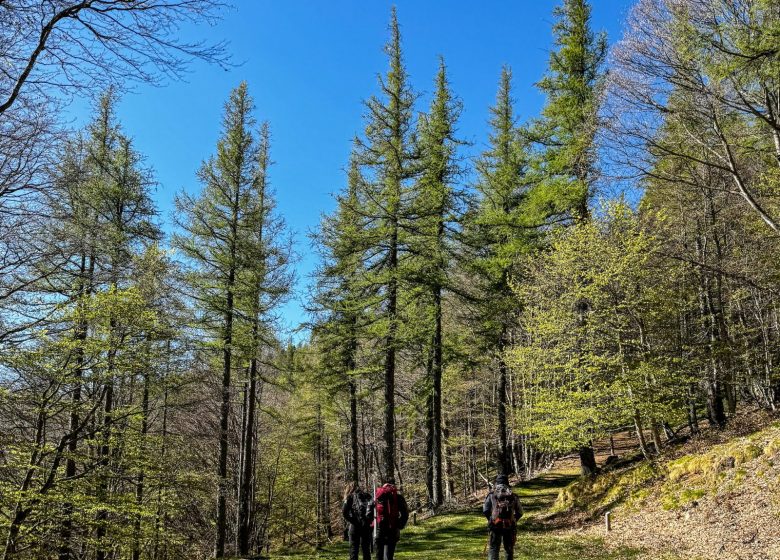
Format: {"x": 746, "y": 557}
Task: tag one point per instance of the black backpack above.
{"x": 361, "y": 502}
{"x": 503, "y": 514}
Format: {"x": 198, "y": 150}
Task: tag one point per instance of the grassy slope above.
{"x": 462, "y": 536}
{"x": 714, "y": 497}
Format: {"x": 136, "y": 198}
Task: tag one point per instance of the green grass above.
{"x": 462, "y": 536}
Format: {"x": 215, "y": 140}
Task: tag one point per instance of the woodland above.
{"x": 608, "y": 265}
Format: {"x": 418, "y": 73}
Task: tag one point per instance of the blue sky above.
{"x": 310, "y": 64}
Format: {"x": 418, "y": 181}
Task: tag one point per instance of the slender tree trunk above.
{"x": 656, "y": 433}
{"x": 159, "y": 519}
{"x": 227, "y": 357}
{"x": 503, "y": 447}
{"x": 247, "y": 479}
{"x": 437, "y": 370}
{"x": 105, "y": 451}
{"x": 139, "y": 488}
{"x": 429, "y": 436}
{"x": 640, "y": 435}
{"x": 390, "y": 355}
{"x": 86, "y": 273}
{"x": 224, "y": 481}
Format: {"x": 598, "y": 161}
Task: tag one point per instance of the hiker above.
{"x": 357, "y": 512}
{"x": 502, "y": 510}
{"x": 390, "y": 514}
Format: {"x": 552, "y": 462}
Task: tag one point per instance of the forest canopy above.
{"x": 608, "y": 264}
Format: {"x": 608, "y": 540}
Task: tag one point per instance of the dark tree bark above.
{"x": 504, "y": 463}
{"x": 588, "y": 460}
{"x": 227, "y": 355}
{"x": 437, "y": 369}
{"x": 390, "y": 354}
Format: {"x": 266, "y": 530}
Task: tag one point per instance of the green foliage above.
{"x": 591, "y": 304}
{"x": 565, "y": 161}
{"x": 498, "y": 229}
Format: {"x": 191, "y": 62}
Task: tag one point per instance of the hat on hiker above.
{"x": 502, "y": 479}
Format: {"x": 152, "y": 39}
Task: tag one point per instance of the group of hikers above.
{"x": 377, "y": 521}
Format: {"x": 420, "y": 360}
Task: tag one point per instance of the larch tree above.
{"x": 564, "y": 137}
{"x": 222, "y": 240}
{"x": 339, "y": 301}
{"x": 498, "y": 230}
{"x": 388, "y": 161}
{"x": 264, "y": 282}
{"x": 436, "y": 208}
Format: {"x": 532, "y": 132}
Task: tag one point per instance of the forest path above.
{"x": 462, "y": 535}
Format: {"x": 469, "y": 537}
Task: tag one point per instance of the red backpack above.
{"x": 386, "y": 507}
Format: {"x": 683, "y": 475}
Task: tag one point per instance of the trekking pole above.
{"x": 376, "y": 525}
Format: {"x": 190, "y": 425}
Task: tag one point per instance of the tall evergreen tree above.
{"x": 221, "y": 240}
{"x": 499, "y": 230}
{"x": 263, "y": 283}
{"x": 387, "y": 156}
{"x": 565, "y": 134}
{"x": 436, "y": 206}
{"x": 339, "y": 300}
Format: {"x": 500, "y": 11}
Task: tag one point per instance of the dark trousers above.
{"x": 360, "y": 539}
{"x": 502, "y": 536}
{"x": 385, "y": 545}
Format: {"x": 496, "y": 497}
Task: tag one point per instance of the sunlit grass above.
{"x": 463, "y": 536}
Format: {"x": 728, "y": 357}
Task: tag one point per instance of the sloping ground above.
{"x": 462, "y": 536}
{"x": 716, "y": 497}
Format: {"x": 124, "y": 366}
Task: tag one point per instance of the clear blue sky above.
{"x": 309, "y": 64}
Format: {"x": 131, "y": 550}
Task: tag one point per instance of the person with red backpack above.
{"x": 390, "y": 514}
{"x": 502, "y": 510}
{"x": 356, "y": 510}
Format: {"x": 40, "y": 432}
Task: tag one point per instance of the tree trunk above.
{"x": 86, "y": 273}
{"x": 504, "y": 465}
{"x": 224, "y": 424}
{"x": 139, "y": 488}
{"x": 588, "y": 460}
{"x": 353, "y": 432}
{"x": 105, "y": 451}
{"x": 247, "y": 478}
{"x": 390, "y": 354}
{"x": 640, "y": 435}
{"x": 437, "y": 369}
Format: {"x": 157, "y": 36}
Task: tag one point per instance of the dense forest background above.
{"x": 609, "y": 264}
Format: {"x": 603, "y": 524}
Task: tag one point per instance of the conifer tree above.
{"x": 565, "y": 134}
{"x": 498, "y": 231}
{"x": 221, "y": 241}
{"x": 339, "y": 299}
{"x": 435, "y": 207}
{"x": 387, "y": 156}
{"x": 263, "y": 283}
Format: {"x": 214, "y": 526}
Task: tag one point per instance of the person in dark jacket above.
{"x": 502, "y": 510}
{"x": 356, "y": 510}
{"x": 390, "y": 514}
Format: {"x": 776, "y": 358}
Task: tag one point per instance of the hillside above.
{"x": 715, "y": 496}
